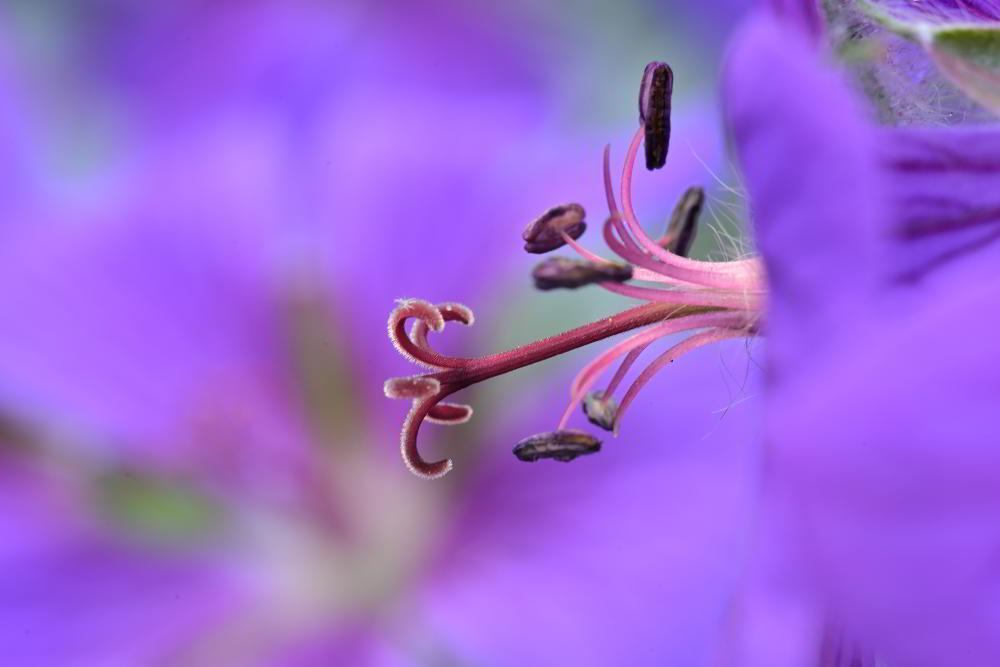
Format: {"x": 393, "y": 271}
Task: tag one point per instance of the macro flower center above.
{"x": 710, "y": 301}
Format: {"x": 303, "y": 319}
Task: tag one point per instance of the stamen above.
{"x": 668, "y": 357}
{"x": 565, "y": 272}
{"x": 599, "y": 406}
{"x": 654, "y": 112}
{"x": 638, "y": 272}
{"x": 623, "y": 369}
{"x": 716, "y": 299}
{"x": 722, "y": 298}
{"x": 722, "y": 275}
{"x": 559, "y": 445}
{"x": 644, "y": 266}
{"x": 624, "y": 245}
{"x": 583, "y": 252}
{"x": 609, "y": 190}
{"x": 586, "y": 378}
{"x": 684, "y": 222}
{"x": 545, "y": 233}
{"x": 600, "y": 409}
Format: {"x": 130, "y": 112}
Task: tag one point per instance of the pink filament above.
{"x": 609, "y": 190}
{"x": 588, "y": 375}
{"x": 671, "y": 355}
{"x": 583, "y": 252}
{"x": 626, "y": 364}
{"x": 726, "y": 275}
{"x": 623, "y": 245}
{"x": 638, "y": 272}
{"x": 685, "y": 297}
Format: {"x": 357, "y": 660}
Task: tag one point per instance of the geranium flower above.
{"x": 880, "y": 246}
{"x": 721, "y": 298}
{"x": 193, "y": 469}
{"x": 876, "y": 537}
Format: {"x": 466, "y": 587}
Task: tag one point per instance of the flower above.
{"x": 877, "y": 522}
{"x": 875, "y": 534}
{"x": 722, "y": 298}
{"x": 192, "y": 466}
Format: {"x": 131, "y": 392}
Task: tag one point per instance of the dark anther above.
{"x": 545, "y": 232}
{"x": 599, "y": 410}
{"x": 570, "y": 273}
{"x": 654, "y": 111}
{"x": 684, "y": 221}
{"x": 559, "y": 445}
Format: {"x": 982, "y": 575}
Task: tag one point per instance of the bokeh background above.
{"x": 208, "y": 208}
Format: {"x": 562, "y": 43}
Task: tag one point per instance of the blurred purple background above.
{"x": 208, "y": 209}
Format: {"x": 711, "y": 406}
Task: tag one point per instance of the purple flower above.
{"x": 197, "y": 468}
{"x": 879, "y": 517}
{"x": 722, "y": 299}
{"x": 875, "y": 535}
{"x": 245, "y": 545}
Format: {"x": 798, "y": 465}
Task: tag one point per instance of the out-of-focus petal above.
{"x": 944, "y": 226}
{"x": 72, "y": 595}
{"x": 802, "y": 14}
{"x": 899, "y": 485}
{"x": 152, "y": 343}
{"x": 626, "y": 557}
{"x": 807, "y": 154}
{"x": 148, "y": 321}
{"x": 775, "y": 619}
{"x": 879, "y": 427}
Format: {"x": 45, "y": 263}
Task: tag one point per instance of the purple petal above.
{"x": 895, "y": 467}
{"x": 803, "y": 14}
{"x": 807, "y": 155}
{"x": 775, "y": 619}
{"x": 152, "y": 343}
{"x": 945, "y": 203}
{"x": 71, "y": 594}
{"x": 629, "y": 556}
{"x": 126, "y": 330}
{"x": 881, "y": 261}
